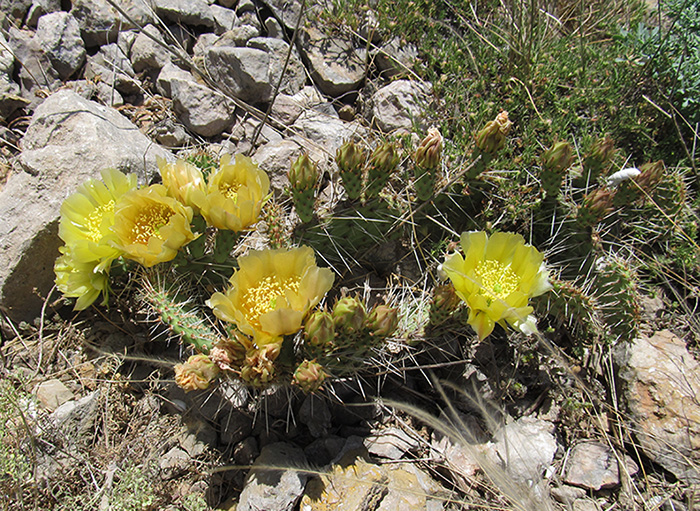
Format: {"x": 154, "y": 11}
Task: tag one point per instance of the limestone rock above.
{"x": 52, "y": 394}
{"x": 394, "y": 58}
{"x": 336, "y": 66}
{"x": 244, "y": 72}
{"x": 36, "y": 71}
{"x": 58, "y": 34}
{"x": 594, "y": 466}
{"x": 294, "y": 76}
{"x": 173, "y": 463}
{"x": 391, "y": 443}
{"x": 274, "y": 490}
{"x": 189, "y": 12}
{"x": 286, "y": 11}
{"x": 111, "y": 66}
{"x": 16, "y": 9}
{"x": 400, "y": 105}
{"x": 69, "y": 140}
{"x": 146, "y": 53}
{"x": 660, "y": 384}
{"x": 204, "y": 111}
{"x": 99, "y": 22}
{"x": 328, "y": 131}
{"x": 351, "y": 486}
{"x": 224, "y": 18}
{"x": 169, "y": 73}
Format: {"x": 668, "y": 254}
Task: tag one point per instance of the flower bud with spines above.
{"x": 309, "y": 376}
{"x": 490, "y": 140}
{"x": 319, "y": 330}
{"x": 351, "y": 161}
{"x": 555, "y": 162}
{"x": 596, "y": 206}
{"x": 597, "y": 161}
{"x": 197, "y": 373}
{"x": 427, "y": 164}
{"x": 303, "y": 175}
{"x": 383, "y": 321}
{"x": 382, "y": 164}
{"x": 445, "y": 301}
{"x": 349, "y": 316}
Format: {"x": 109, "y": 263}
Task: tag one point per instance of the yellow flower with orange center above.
{"x": 182, "y": 180}
{"x": 88, "y": 215}
{"x": 234, "y": 195}
{"x": 151, "y": 227}
{"x": 496, "y": 277}
{"x": 271, "y": 293}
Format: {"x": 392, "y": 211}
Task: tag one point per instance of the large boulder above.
{"x": 69, "y": 140}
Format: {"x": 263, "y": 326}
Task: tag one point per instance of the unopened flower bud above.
{"x": 598, "y": 158}
{"x": 197, "y": 373}
{"x": 382, "y": 165}
{"x": 558, "y": 158}
{"x": 319, "y": 329}
{"x": 350, "y": 157}
{"x": 383, "y": 321}
{"x": 349, "y": 315}
{"x": 303, "y": 173}
{"x": 445, "y": 302}
{"x": 492, "y": 137}
{"x": 230, "y": 353}
{"x": 430, "y": 150}
{"x": 651, "y": 175}
{"x": 259, "y": 366}
{"x": 309, "y": 376}
{"x": 596, "y": 206}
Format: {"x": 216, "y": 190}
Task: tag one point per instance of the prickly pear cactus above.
{"x": 616, "y": 285}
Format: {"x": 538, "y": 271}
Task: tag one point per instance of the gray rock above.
{"x": 336, "y": 66}
{"x": 204, "y": 42}
{"x": 314, "y": 412}
{"x": 525, "y": 448}
{"x": 166, "y": 76}
{"x": 274, "y": 490}
{"x": 244, "y": 72}
{"x": 69, "y": 140}
{"x": 286, "y": 11}
{"x": 275, "y": 158}
{"x": 238, "y": 36}
{"x": 390, "y": 443}
{"x": 7, "y": 59}
{"x": 274, "y": 29}
{"x": 224, "y": 18}
{"x": 286, "y": 109}
{"x": 245, "y": 6}
{"x": 146, "y": 53}
{"x": 39, "y": 8}
{"x": 58, "y": 34}
{"x": 327, "y": 131}
{"x": 173, "y": 463}
{"x": 585, "y": 505}
{"x": 110, "y": 65}
{"x": 36, "y": 71}
{"x": 74, "y": 420}
{"x": 660, "y": 382}
{"x": 229, "y": 4}
{"x": 170, "y": 134}
{"x": 594, "y": 466}
{"x": 567, "y": 494}
{"x": 394, "y": 58}
{"x": 52, "y": 394}
{"x": 189, "y": 12}
{"x": 294, "y": 76}
{"x": 204, "y": 111}
{"x": 400, "y": 105}
{"x": 99, "y": 22}
{"x": 15, "y": 9}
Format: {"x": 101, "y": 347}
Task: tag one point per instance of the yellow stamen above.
{"x": 149, "y": 221}
{"x": 230, "y": 190}
{"x": 497, "y": 280}
{"x": 263, "y": 298}
{"x": 94, "y": 220}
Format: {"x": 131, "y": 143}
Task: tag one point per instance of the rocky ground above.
{"x": 92, "y": 417}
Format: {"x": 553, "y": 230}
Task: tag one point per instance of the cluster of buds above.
{"x": 382, "y": 164}
{"x": 197, "y": 373}
{"x": 445, "y": 301}
{"x": 230, "y": 353}
{"x": 258, "y": 369}
{"x": 555, "y": 162}
{"x": 596, "y": 206}
{"x": 303, "y": 175}
{"x": 351, "y": 161}
{"x": 309, "y": 376}
{"x": 427, "y": 164}
{"x": 597, "y": 161}
{"x": 490, "y": 140}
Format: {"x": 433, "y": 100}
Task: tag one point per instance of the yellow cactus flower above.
{"x": 88, "y": 215}
{"x": 182, "y": 180}
{"x": 151, "y": 227}
{"x": 81, "y": 280}
{"x": 271, "y": 293}
{"x": 235, "y": 194}
{"x": 496, "y": 277}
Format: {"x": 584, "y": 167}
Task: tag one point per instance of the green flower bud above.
{"x": 429, "y": 151}
{"x": 349, "y": 315}
{"x": 383, "y": 320}
{"x": 651, "y": 176}
{"x": 492, "y": 137}
{"x": 303, "y": 173}
{"x": 598, "y": 158}
{"x": 445, "y": 302}
{"x": 309, "y": 376}
{"x": 596, "y": 206}
{"x": 558, "y": 158}
{"x": 319, "y": 329}
{"x": 350, "y": 157}
{"x": 382, "y": 165}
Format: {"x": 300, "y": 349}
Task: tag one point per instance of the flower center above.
{"x": 263, "y": 297}
{"x": 497, "y": 280}
{"x": 149, "y": 221}
{"x": 93, "y": 221}
{"x": 230, "y": 190}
